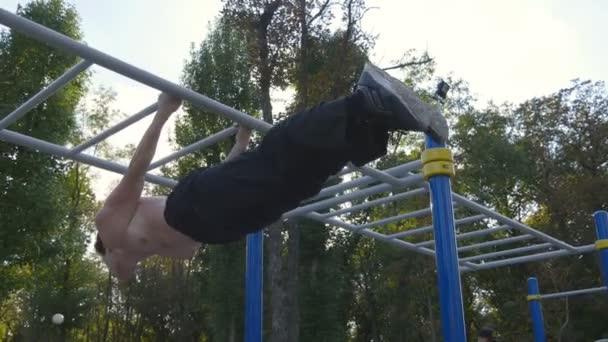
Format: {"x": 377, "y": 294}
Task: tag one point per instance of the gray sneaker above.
{"x": 390, "y": 97}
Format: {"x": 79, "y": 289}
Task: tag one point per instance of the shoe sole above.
{"x": 432, "y": 122}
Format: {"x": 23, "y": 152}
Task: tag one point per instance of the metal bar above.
{"x": 459, "y": 222}
{"x": 509, "y": 252}
{"x": 495, "y": 243}
{"x": 601, "y": 227}
{"x": 417, "y": 213}
{"x": 208, "y": 141}
{"x": 515, "y": 224}
{"x": 254, "y": 279}
{"x": 369, "y": 233}
{"x": 46, "y": 147}
{"x": 480, "y": 232}
{"x": 380, "y": 201}
{"x": 411, "y": 180}
{"x": 381, "y": 237}
{"x": 61, "y": 41}
{"x": 575, "y": 292}
{"x": 397, "y": 171}
{"x": 535, "y": 257}
{"x": 116, "y": 128}
{"x": 536, "y": 310}
{"x": 448, "y": 271}
{"x": 379, "y": 175}
{"x": 45, "y": 93}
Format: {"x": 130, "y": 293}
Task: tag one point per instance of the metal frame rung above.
{"x": 426, "y": 229}
{"x": 208, "y": 141}
{"x": 115, "y": 129}
{"x": 45, "y": 93}
{"x": 519, "y": 250}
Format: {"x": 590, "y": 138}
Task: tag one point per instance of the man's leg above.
{"x": 354, "y": 128}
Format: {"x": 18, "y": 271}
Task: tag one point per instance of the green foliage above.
{"x": 33, "y": 185}
{"x": 219, "y": 69}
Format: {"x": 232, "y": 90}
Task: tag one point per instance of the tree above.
{"x": 33, "y": 184}
{"x": 220, "y": 69}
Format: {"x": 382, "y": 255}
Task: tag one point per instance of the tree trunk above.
{"x": 293, "y": 262}
{"x": 277, "y": 292}
{"x": 106, "y": 317}
{"x": 431, "y": 317}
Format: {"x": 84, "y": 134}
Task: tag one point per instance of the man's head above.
{"x": 106, "y": 255}
{"x": 485, "y": 335}
{"x": 99, "y": 246}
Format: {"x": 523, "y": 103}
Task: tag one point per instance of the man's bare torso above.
{"x": 131, "y": 227}
{"x": 149, "y": 234}
{"x": 145, "y": 234}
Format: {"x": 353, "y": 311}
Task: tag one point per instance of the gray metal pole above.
{"x": 575, "y": 292}
{"x": 116, "y": 128}
{"x": 509, "y": 252}
{"x": 397, "y": 171}
{"x": 479, "y": 232}
{"x": 536, "y": 257}
{"x": 61, "y": 151}
{"x": 60, "y": 41}
{"x": 45, "y": 93}
{"x": 505, "y": 220}
{"x": 427, "y": 229}
{"x": 208, "y": 141}
{"x": 380, "y": 201}
{"x": 494, "y": 243}
{"x": 411, "y": 180}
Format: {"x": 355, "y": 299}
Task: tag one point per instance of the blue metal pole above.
{"x": 536, "y": 310}
{"x": 601, "y": 226}
{"x": 450, "y": 290}
{"x": 254, "y": 287}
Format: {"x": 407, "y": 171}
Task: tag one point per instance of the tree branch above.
{"x": 321, "y": 11}
{"x": 407, "y": 64}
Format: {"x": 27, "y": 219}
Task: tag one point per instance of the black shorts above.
{"x": 224, "y": 203}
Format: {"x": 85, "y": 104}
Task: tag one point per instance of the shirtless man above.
{"x": 252, "y": 189}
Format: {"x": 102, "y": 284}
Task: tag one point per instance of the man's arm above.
{"x": 122, "y": 202}
{"x": 242, "y": 140}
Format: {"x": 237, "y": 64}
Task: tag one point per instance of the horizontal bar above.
{"x": 379, "y": 175}
{"x": 116, "y": 128}
{"x": 380, "y": 201}
{"x": 509, "y": 252}
{"x": 45, "y": 93}
{"x": 208, "y": 141}
{"x": 417, "y": 213}
{"x": 61, "y": 41}
{"x": 370, "y": 233}
{"x": 465, "y": 266}
{"x": 575, "y": 292}
{"x": 515, "y": 224}
{"x": 397, "y": 171}
{"x": 411, "y": 180}
{"x": 479, "y": 232}
{"x": 536, "y": 257}
{"x": 494, "y": 243}
{"x": 427, "y": 229}
{"x": 46, "y": 147}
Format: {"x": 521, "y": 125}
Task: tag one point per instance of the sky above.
{"x": 506, "y": 50}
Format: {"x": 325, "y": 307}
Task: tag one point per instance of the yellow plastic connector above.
{"x": 437, "y": 161}
{"x": 601, "y": 244}
{"x": 533, "y": 297}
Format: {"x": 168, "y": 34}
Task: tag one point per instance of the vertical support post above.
{"x": 450, "y": 290}
{"x": 254, "y": 279}
{"x": 536, "y": 310}
{"x": 601, "y": 245}
{"x": 438, "y": 168}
